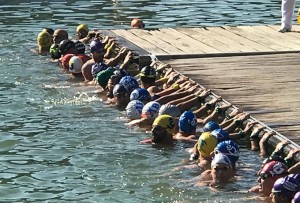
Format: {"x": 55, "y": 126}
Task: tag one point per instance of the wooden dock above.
{"x": 256, "y": 68}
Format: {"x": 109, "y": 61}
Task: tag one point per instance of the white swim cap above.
{"x": 134, "y": 109}
{"x": 75, "y": 64}
{"x": 150, "y": 110}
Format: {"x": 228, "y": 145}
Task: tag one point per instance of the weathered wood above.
{"x": 151, "y": 48}
{"x": 265, "y": 86}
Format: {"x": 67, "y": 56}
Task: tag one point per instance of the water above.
{"x": 59, "y": 143}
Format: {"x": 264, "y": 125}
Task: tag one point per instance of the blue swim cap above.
{"x": 129, "y": 82}
{"x": 140, "y": 94}
{"x": 119, "y": 89}
{"x": 230, "y": 149}
{"x": 297, "y": 197}
{"x": 134, "y": 109}
{"x": 96, "y": 46}
{"x": 221, "y": 134}
{"x": 187, "y": 122}
{"x": 287, "y": 186}
{"x": 210, "y": 126}
{"x": 97, "y": 67}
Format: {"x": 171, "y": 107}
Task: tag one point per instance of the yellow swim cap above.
{"x": 44, "y": 40}
{"x": 82, "y": 27}
{"x": 206, "y": 144}
{"x": 165, "y": 121}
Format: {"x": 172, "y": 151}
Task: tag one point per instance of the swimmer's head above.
{"x": 163, "y": 128}
{"x": 210, "y": 126}
{"x": 229, "y": 148}
{"x": 169, "y": 109}
{"x": 150, "y": 110}
{"x": 140, "y": 94}
{"x": 137, "y": 23}
{"x": 82, "y": 31}
{"x": 187, "y": 122}
{"x": 75, "y": 64}
{"x": 206, "y": 144}
{"x": 60, "y": 35}
{"x": 134, "y": 109}
{"x": 44, "y": 41}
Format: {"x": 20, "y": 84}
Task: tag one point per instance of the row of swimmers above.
{"x": 174, "y": 108}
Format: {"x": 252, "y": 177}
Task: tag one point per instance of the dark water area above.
{"x": 60, "y": 143}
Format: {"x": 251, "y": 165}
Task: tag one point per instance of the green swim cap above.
{"x": 103, "y": 76}
{"x": 54, "y": 51}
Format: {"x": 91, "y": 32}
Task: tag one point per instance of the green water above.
{"x": 59, "y": 143}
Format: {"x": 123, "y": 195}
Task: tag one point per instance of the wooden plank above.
{"x": 146, "y": 35}
{"x": 121, "y": 41}
{"x": 194, "y": 41}
{"x": 271, "y": 37}
{"x": 266, "y": 86}
{"x": 231, "y": 46}
{"x": 151, "y": 48}
{"x": 217, "y": 45}
{"x": 241, "y": 39}
{"x": 178, "y": 41}
{"x": 295, "y": 31}
{"x": 264, "y": 41}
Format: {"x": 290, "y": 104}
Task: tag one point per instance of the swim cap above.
{"x": 134, "y": 109}
{"x": 97, "y": 67}
{"x": 137, "y": 23}
{"x": 65, "y": 60}
{"x": 75, "y": 64}
{"x": 287, "y": 186}
{"x": 49, "y": 30}
{"x": 150, "y": 110}
{"x": 220, "y": 134}
{"x": 165, "y": 121}
{"x": 187, "y": 122}
{"x": 274, "y": 157}
{"x": 65, "y": 46}
{"x": 273, "y": 169}
{"x": 129, "y": 82}
{"x": 119, "y": 89}
{"x": 148, "y": 72}
{"x": 230, "y": 149}
{"x": 120, "y": 73}
{"x": 296, "y": 198}
{"x": 96, "y": 46}
{"x": 210, "y": 126}
{"x": 220, "y": 159}
{"x": 79, "y": 46}
{"x": 82, "y": 27}
{"x": 103, "y": 76}
{"x": 206, "y": 144}
{"x": 54, "y": 51}
{"x": 169, "y": 109}
{"x": 44, "y": 40}
{"x": 140, "y": 94}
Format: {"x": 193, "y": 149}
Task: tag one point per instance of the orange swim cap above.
{"x": 137, "y": 23}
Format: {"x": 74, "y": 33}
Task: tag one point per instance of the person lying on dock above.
{"x": 219, "y": 174}
{"x": 162, "y": 132}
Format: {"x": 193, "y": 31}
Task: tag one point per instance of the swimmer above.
{"x": 220, "y": 173}
{"x": 162, "y": 131}
{"x": 284, "y": 189}
{"x": 267, "y": 177}
{"x": 44, "y": 42}
{"x": 187, "y": 127}
{"x": 137, "y": 23}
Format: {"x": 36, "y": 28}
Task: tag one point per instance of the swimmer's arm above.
{"x": 255, "y": 189}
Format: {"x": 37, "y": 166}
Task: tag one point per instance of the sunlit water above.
{"x": 59, "y": 143}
